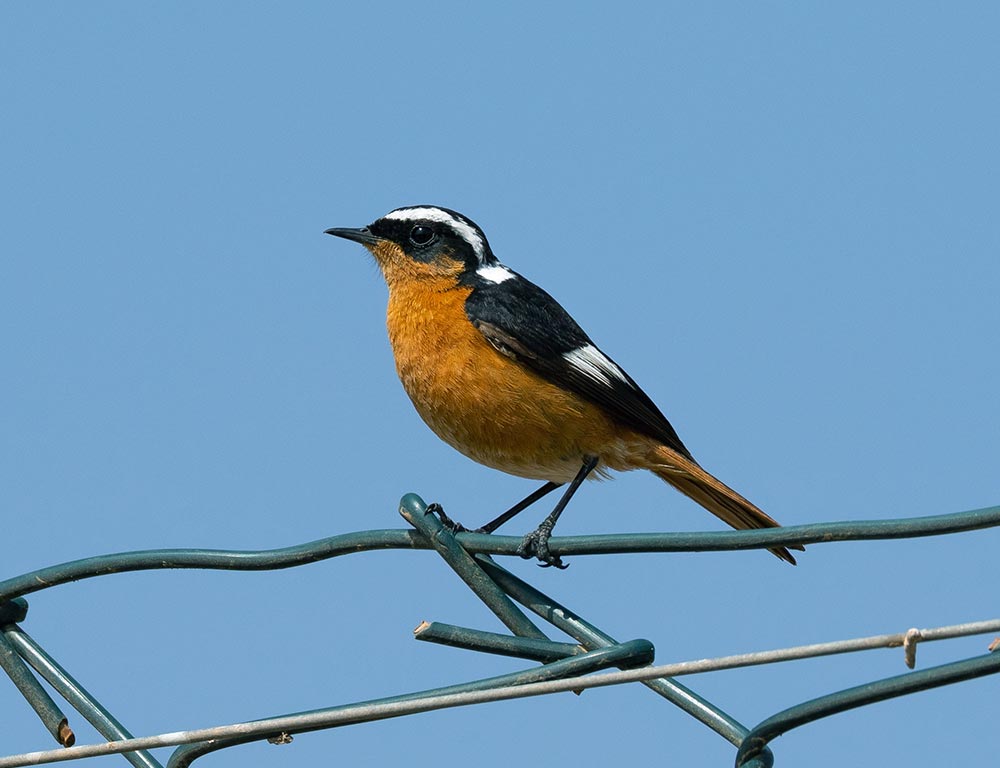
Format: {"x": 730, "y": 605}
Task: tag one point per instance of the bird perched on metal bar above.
{"x": 501, "y": 372}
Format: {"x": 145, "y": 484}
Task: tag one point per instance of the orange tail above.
{"x": 715, "y": 496}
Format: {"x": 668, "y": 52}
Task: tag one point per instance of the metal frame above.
{"x": 565, "y": 666}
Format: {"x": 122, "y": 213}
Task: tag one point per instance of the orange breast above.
{"x": 485, "y": 404}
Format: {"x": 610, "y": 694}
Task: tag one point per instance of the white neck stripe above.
{"x": 495, "y": 273}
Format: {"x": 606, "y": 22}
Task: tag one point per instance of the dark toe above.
{"x": 452, "y": 525}
{"x": 536, "y": 544}
{"x": 528, "y": 546}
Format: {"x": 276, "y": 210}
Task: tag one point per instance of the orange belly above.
{"x": 488, "y": 406}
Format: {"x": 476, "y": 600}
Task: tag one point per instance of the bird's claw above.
{"x": 452, "y": 525}
{"x": 536, "y": 544}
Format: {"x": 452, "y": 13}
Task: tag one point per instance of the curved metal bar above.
{"x": 749, "y": 753}
{"x": 364, "y": 541}
{"x": 715, "y": 541}
{"x": 219, "y": 559}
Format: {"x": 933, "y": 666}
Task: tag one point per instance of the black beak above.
{"x": 363, "y": 235}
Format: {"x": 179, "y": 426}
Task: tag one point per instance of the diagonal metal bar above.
{"x": 591, "y": 637}
{"x": 47, "y": 710}
{"x": 78, "y": 696}
{"x": 414, "y": 511}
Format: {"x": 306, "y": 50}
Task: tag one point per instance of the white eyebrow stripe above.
{"x": 495, "y": 273}
{"x": 466, "y": 232}
{"x": 593, "y": 363}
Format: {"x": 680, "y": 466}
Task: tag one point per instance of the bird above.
{"x": 501, "y": 372}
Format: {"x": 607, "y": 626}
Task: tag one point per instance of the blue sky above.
{"x": 780, "y": 219}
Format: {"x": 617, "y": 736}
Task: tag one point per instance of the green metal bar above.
{"x": 749, "y": 754}
{"x": 363, "y": 541}
{"x": 220, "y": 559}
{"x": 493, "y": 642}
{"x": 414, "y": 511}
{"x": 365, "y": 712}
{"x": 74, "y": 693}
{"x": 48, "y": 711}
{"x": 574, "y": 666}
{"x": 717, "y": 541}
{"x": 592, "y": 637}
{"x": 13, "y": 611}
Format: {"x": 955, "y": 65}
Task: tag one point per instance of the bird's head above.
{"x": 423, "y": 242}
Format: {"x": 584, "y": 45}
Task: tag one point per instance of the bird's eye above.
{"x": 421, "y": 235}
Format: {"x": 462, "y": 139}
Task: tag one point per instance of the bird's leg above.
{"x": 536, "y": 543}
{"x": 456, "y": 527}
{"x": 523, "y": 504}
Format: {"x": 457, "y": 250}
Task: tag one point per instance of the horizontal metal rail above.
{"x": 493, "y": 544}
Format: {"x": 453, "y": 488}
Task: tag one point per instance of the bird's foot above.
{"x": 536, "y": 544}
{"x": 452, "y": 525}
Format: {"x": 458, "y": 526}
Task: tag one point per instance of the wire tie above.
{"x": 910, "y": 641}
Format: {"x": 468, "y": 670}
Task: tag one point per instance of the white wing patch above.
{"x": 462, "y": 229}
{"x": 593, "y": 363}
{"x": 495, "y": 273}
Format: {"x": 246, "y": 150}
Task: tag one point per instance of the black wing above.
{"x": 523, "y": 322}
